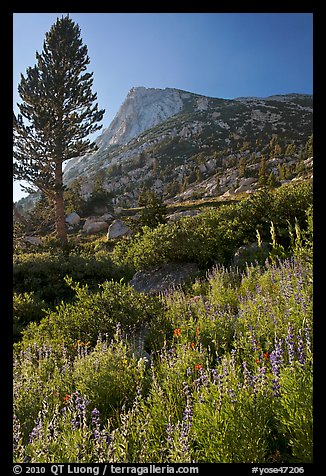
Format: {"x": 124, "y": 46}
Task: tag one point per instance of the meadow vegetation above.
{"x": 217, "y": 371}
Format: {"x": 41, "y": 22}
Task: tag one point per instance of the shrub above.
{"x": 26, "y": 308}
{"x": 232, "y": 381}
{"x": 295, "y": 413}
{"x": 109, "y": 376}
{"x": 43, "y": 273}
{"x": 213, "y": 236}
{"x": 97, "y": 313}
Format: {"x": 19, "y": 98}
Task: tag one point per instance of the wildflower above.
{"x": 197, "y": 331}
{"x": 248, "y": 378}
{"x": 177, "y": 332}
{"x": 169, "y": 430}
{"x": 186, "y": 425}
{"x": 290, "y": 345}
{"x": 37, "y": 431}
{"x": 66, "y": 398}
{"x": 80, "y": 404}
{"x": 276, "y": 359}
{"x": 95, "y": 414}
{"x": 301, "y": 351}
{"x": 266, "y": 355}
{"x": 198, "y": 367}
{"x": 192, "y": 345}
{"x": 232, "y": 395}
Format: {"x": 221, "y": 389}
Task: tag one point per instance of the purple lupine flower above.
{"x": 232, "y": 395}
{"x": 260, "y": 379}
{"x": 169, "y": 430}
{"x": 80, "y": 404}
{"x": 301, "y": 350}
{"x": 215, "y": 374}
{"x": 247, "y": 376}
{"x": 252, "y": 338}
{"x": 290, "y": 345}
{"x": 186, "y": 424}
{"x": 37, "y": 431}
{"x": 95, "y": 415}
{"x": 17, "y": 434}
{"x": 307, "y": 331}
{"x": 276, "y": 360}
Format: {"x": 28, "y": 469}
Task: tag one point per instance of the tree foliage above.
{"x": 154, "y": 209}
{"x": 57, "y": 114}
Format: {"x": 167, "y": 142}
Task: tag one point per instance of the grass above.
{"x": 219, "y": 371}
{"x": 227, "y": 377}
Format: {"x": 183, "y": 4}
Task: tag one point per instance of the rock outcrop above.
{"x": 73, "y": 219}
{"x": 33, "y": 240}
{"x": 187, "y": 146}
{"x": 168, "y": 276}
{"x": 142, "y": 109}
{"x": 118, "y": 229}
{"x": 96, "y": 226}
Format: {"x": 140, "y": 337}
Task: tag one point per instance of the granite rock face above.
{"x": 118, "y": 229}
{"x": 168, "y": 276}
{"x": 73, "y": 219}
{"x": 142, "y": 109}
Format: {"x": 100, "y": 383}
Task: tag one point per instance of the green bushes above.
{"x": 231, "y": 382}
{"x": 96, "y": 313}
{"x": 26, "y": 308}
{"x": 109, "y": 376}
{"x": 214, "y": 235}
{"x": 43, "y": 273}
{"x": 229, "y": 377}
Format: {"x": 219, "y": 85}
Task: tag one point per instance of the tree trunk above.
{"x": 59, "y": 207}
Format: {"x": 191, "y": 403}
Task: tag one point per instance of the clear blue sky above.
{"x": 224, "y": 55}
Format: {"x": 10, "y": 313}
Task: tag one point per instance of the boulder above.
{"x": 33, "y": 240}
{"x": 250, "y": 253}
{"x": 90, "y": 220}
{"x": 106, "y": 217}
{"x": 73, "y": 219}
{"x": 246, "y": 184}
{"x": 185, "y": 213}
{"x": 117, "y": 229}
{"x": 117, "y": 210}
{"x": 227, "y": 194}
{"x": 100, "y": 209}
{"x": 95, "y": 227}
{"x": 162, "y": 279}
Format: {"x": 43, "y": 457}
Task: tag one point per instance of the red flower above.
{"x": 66, "y": 398}
{"x": 198, "y": 367}
{"x": 266, "y": 355}
{"x": 177, "y": 332}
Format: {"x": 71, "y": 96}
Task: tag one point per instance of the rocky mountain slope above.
{"x": 170, "y": 140}
{"x": 182, "y": 144}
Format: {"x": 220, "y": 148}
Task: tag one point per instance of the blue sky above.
{"x": 224, "y": 55}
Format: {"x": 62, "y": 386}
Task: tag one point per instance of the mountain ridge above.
{"x": 163, "y": 138}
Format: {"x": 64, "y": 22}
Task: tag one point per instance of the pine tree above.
{"x": 262, "y": 172}
{"x": 241, "y": 167}
{"x": 308, "y": 150}
{"x": 57, "y": 113}
{"x": 154, "y": 209}
{"x": 272, "y": 181}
